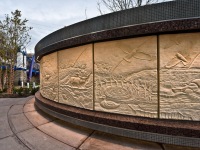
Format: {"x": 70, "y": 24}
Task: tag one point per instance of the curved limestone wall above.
{"x": 133, "y": 73}
{"x": 148, "y": 67}
{"x": 151, "y": 76}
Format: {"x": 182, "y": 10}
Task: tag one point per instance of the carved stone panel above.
{"x": 49, "y": 77}
{"x": 41, "y": 79}
{"x": 76, "y": 76}
{"x": 180, "y": 76}
{"x": 126, "y": 76}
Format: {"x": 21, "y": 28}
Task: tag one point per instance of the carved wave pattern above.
{"x": 134, "y": 94}
{"x": 76, "y": 86}
{"x": 180, "y": 94}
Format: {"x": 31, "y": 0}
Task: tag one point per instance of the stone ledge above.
{"x": 185, "y": 133}
{"x": 172, "y": 26}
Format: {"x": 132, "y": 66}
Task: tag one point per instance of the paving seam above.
{"x": 48, "y": 134}
{"x": 14, "y": 132}
{"x": 86, "y": 139}
{"x": 21, "y": 130}
{"x": 29, "y": 111}
{"x": 6, "y": 137}
{"x": 17, "y": 104}
{"x": 60, "y": 140}
{"x": 11, "y": 105}
{"x": 36, "y": 127}
{"x": 55, "y": 138}
{"x": 16, "y": 113}
{"x": 25, "y": 130}
{"x": 28, "y": 104}
{"x": 40, "y": 124}
{"x": 28, "y": 101}
{"x": 36, "y": 110}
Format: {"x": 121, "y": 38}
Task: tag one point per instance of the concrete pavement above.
{"x": 25, "y": 127}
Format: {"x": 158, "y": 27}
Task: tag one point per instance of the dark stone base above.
{"x": 185, "y": 133}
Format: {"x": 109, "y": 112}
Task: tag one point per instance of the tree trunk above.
{"x": 1, "y": 85}
{"x": 8, "y": 74}
{"x": 11, "y": 81}
{"x": 5, "y": 79}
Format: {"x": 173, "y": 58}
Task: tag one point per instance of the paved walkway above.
{"x": 24, "y": 127}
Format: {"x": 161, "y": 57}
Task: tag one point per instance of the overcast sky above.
{"x": 46, "y": 16}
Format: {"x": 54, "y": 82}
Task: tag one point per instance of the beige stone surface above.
{"x": 67, "y": 133}
{"x": 17, "y": 125}
{"x": 16, "y": 109}
{"x": 11, "y": 143}
{"x": 30, "y": 107}
{"x": 180, "y": 76}
{"x": 34, "y": 139}
{"x": 49, "y": 77}
{"x": 76, "y": 76}
{"x": 126, "y": 76}
{"x": 38, "y": 117}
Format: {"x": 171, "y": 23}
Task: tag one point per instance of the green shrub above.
{"x": 15, "y": 90}
{"x": 26, "y": 90}
{"x": 34, "y": 90}
{"x": 20, "y": 91}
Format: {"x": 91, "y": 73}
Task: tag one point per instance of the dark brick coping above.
{"x": 167, "y": 17}
{"x": 165, "y": 27}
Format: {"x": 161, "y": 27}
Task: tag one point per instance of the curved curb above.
{"x": 142, "y": 135}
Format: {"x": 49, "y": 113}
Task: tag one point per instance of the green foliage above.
{"x": 25, "y": 91}
{"x": 14, "y": 35}
{"x": 34, "y": 90}
{"x": 20, "y": 91}
{"x": 15, "y": 90}
{"x": 15, "y": 32}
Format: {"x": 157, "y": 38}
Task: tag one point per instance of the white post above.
{"x": 27, "y": 85}
{"x": 33, "y": 84}
{"x": 22, "y": 83}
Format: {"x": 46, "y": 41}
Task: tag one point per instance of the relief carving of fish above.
{"x": 109, "y": 104}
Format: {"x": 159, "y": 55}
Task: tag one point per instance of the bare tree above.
{"x": 117, "y": 5}
{"x": 86, "y": 17}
